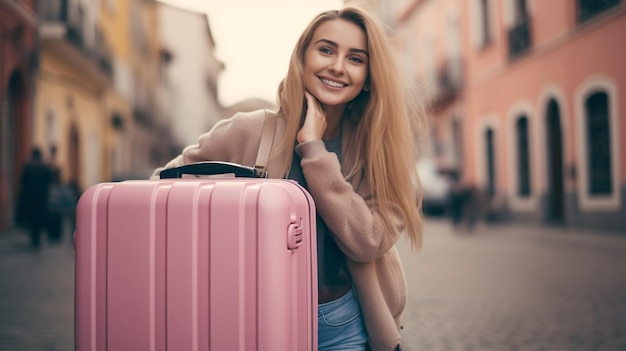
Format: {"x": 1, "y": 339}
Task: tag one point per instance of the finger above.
{"x": 312, "y": 102}
{"x": 315, "y": 121}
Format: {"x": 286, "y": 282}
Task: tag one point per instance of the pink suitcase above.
{"x": 196, "y": 264}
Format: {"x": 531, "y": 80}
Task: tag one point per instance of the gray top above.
{"x": 331, "y": 262}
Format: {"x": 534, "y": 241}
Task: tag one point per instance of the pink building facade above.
{"x": 18, "y": 63}
{"x": 527, "y": 99}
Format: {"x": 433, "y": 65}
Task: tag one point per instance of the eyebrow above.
{"x": 332, "y": 43}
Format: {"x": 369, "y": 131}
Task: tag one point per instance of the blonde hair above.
{"x": 384, "y": 138}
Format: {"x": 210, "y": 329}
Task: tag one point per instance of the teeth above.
{"x": 332, "y": 84}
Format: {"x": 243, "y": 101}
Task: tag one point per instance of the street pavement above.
{"x": 36, "y": 294}
{"x": 497, "y": 288}
{"x": 516, "y": 288}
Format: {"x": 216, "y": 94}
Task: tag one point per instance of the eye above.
{"x": 356, "y": 59}
{"x": 325, "y": 50}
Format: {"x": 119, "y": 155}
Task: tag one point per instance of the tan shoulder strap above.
{"x": 265, "y": 145}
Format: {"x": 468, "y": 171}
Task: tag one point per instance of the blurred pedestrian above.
{"x": 475, "y": 206}
{"x": 61, "y": 202}
{"x": 458, "y": 196}
{"x": 32, "y": 208}
{"x": 345, "y": 133}
{"x": 54, "y": 221}
{"x": 74, "y": 191}
{"x": 53, "y": 163}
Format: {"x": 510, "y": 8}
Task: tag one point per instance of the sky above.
{"x": 254, "y": 39}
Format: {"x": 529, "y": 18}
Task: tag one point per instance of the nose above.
{"x": 336, "y": 67}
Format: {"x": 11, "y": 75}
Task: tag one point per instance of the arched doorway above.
{"x": 9, "y": 167}
{"x": 554, "y": 141}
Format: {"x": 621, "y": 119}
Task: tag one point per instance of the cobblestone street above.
{"x": 36, "y": 295}
{"x": 516, "y": 288}
{"x": 499, "y": 288}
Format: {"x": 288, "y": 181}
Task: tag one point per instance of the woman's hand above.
{"x": 314, "y": 122}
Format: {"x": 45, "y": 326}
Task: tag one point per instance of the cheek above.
{"x": 311, "y": 61}
{"x": 360, "y": 77}
{"x": 309, "y": 69}
{"x": 308, "y": 78}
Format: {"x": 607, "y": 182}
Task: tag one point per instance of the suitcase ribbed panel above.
{"x": 183, "y": 279}
{"x": 90, "y": 269}
{"x": 135, "y": 266}
{"x": 195, "y": 265}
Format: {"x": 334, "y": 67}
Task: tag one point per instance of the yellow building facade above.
{"x": 138, "y": 139}
{"x": 114, "y": 21}
{"x": 97, "y": 90}
{"x": 73, "y": 82}
{"x": 70, "y": 117}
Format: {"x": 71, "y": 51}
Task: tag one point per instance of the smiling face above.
{"x": 336, "y": 62}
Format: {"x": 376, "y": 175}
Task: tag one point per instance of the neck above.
{"x": 333, "y": 121}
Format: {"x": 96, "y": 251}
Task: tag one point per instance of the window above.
{"x": 484, "y": 9}
{"x": 482, "y": 28}
{"x": 588, "y": 9}
{"x": 453, "y": 40}
{"x": 523, "y": 157}
{"x": 52, "y": 128}
{"x": 522, "y": 195}
{"x": 521, "y": 11}
{"x": 491, "y": 167}
{"x": 519, "y": 30}
{"x": 599, "y": 144}
{"x": 554, "y": 156}
{"x": 457, "y": 132}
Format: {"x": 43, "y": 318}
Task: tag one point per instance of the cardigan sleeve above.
{"x": 353, "y": 216}
{"x": 234, "y": 140}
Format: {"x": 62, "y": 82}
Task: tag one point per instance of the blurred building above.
{"x": 139, "y": 134}
{"x": 114, "y": 19}
{"x": 75, "y": 76}
{"x": 18, "y": 63}
{"x": 188, "y": 93}
{"x": 153, "y": 142}
{"x": 97, "y": 89}
{"x": 526, "y": 101}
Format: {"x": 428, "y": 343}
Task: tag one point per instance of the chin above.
{"x": 332, "y": 101}
{"x": 335, "y": 104}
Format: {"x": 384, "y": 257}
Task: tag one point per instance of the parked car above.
{"x": 436, "y": 187}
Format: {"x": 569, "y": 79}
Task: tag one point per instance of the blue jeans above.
{"x": 340, "y": 324}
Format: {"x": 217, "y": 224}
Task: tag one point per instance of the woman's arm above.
{"x": 234, "y": 140}
{"x": 354, "y": 218}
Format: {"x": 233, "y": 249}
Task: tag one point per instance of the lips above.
{"x": 332, "y": 83}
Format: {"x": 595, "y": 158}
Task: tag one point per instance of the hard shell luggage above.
{"x": 196, "y": 264}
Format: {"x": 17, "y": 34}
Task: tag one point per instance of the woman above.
{"x": 345, "y": 134}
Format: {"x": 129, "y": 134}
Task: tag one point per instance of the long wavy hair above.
{"x": 384, "y": 133}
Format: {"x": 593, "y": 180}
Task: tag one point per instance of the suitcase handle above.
{"x": 209, "y": 168}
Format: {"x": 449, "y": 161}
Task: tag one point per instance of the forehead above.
{"x": 342, "y": 32}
